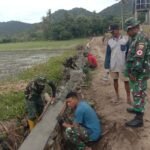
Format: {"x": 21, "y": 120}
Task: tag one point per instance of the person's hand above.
{"x": 53, "y": 100}
{"x": 66, "y": 125}
{"x": 107, "y": 71}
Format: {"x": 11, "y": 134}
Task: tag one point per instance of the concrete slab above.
{"x": 39, "y": 136}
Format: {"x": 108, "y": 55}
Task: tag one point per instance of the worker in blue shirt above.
{"x": 86, "y": 125}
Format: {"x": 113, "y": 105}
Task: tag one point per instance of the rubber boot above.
{"x": 136, "y": 122}
{"x": 31, "y": 124}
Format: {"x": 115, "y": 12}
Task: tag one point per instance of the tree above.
{"x": 47, "y": 25}
{"x": 82, "y": 26}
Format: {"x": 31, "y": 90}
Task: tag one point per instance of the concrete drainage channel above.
{"x": 46, "y": 135}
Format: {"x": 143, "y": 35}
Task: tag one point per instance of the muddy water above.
{"x": 13, "y": 62}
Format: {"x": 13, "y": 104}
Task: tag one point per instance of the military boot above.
{"x": 136, "y": 122}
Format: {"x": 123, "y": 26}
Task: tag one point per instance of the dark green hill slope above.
{"x": 14, "y": 27}
{"x": 115, "y": 10}
{"x": 20, "y": 30}
{"x": 59, "y": 15}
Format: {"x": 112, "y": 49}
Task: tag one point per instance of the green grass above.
{"x": 12, "y": 103}
{"x": 35, "y": 45}
{"x": 53, "y": 69}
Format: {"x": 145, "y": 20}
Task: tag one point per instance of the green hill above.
{"x": 25, "y": 31}
{"x": 14, "y": 27}
{"x": 59, "y": 15}
{"x": 115, "y": 10}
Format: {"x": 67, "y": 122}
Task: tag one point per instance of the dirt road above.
{"x": 116, "y": 135}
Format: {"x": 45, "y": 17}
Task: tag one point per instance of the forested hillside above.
{"x": 13, "y": 27}
{"x": 115, "y": 10}
{"x": 59, "y": 15}
{"x": 66, "y": 24}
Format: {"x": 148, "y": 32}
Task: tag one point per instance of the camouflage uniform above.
{"x": 78, "y": 136}
{"x": 137, "y": 65}
{"x": 69, "y": 64}
{"x": 138, "y": 71}
{"x": 34, "y": 101}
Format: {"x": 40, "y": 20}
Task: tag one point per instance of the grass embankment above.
{"x": 12, "y": 101}
{"x": 38, "y": 45}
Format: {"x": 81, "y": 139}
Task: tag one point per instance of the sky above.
{"x": 32, "y": 11}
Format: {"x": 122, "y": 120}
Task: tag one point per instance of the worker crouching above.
{"x": 34, "y": 100}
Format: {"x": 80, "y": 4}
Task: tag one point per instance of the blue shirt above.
{"x": 87, "y": 117}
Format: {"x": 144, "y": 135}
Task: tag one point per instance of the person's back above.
{"x": 87, "y": 117}
{"x": 34, "y": 100}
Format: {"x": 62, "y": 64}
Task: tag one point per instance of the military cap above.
{"x": 40, "y": 81}
{"x": 130, "y": 23}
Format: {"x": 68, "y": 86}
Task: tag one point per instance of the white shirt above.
{"x": 118, "y": 52}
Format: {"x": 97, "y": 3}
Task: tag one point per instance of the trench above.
{"x": 44, "y": 135}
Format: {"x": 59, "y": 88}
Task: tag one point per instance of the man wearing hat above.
{"x": 137, "y": 69}
{"x": 115, "y": 60}
{"x": 34, "y": 100}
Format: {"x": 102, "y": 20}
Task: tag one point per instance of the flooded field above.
{"x": 13, "y": 62}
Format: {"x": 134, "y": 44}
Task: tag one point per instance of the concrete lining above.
{"x": 39, "y": 136}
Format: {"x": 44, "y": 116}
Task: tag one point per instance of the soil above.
{"x": 113, "y": 116}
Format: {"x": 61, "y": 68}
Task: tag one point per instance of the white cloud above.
{"x": 34, "y": 10}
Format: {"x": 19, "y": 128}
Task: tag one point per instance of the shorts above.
{"x": 117, "y": 75}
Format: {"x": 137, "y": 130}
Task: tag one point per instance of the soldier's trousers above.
{"x": 138, "y": 89}
{"x": 77, "y": 136}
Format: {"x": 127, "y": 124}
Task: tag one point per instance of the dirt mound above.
{"x": 117, "y": 137}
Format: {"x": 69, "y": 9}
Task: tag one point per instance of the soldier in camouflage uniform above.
{"x": 34, "y": 101}
{"x": 137, "y": 69}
